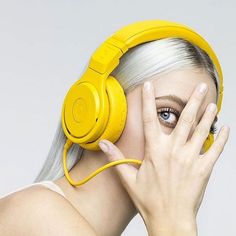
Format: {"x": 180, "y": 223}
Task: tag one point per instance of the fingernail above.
{"x": 147, "y": 86}
{"x": 212, "y": 107}
{"x": 202, "y": 88}
{"x": 104, "y": 146}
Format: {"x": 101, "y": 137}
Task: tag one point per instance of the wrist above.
{"x": 171, "y": 226}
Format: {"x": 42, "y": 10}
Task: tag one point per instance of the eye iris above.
{"x": 166, "y": 115}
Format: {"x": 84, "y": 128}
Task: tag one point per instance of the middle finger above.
{"x": 188, "y": 115}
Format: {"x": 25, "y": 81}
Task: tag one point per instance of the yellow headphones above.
{"x": 95, "y": 106}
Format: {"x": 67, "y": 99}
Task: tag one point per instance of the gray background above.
{"x": 44, "y": 45}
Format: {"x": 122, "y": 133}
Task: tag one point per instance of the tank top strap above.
{"x": 46, "y": 183}
{"x": 51, "y": 185}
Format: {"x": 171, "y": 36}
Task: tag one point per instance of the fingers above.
{"x": 151, "y": 123}
{"x": 203, "y": 128}
{"x": 188, "y": 115}
{"x": 212, "y": 155}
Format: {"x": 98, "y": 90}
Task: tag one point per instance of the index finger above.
{"x": 151, "y": 123}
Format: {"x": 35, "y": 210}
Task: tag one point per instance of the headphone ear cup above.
{"x": 208, "y": 142}
{"x": 117, "y": 114}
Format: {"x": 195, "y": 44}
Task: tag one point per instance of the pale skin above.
{"x": 106, "y": 204}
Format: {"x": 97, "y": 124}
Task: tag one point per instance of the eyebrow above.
{"x": 179, "y": 101}
{"x": 173, "y": 98}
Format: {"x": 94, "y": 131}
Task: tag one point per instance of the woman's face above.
{"x": 172, "y": 91}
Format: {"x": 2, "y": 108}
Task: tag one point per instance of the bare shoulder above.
{"x": 40, "y": 211}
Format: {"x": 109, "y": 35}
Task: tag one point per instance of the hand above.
{"x": 169, "y": 185}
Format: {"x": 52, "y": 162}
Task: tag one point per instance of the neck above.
{"x": 102, "y": 201}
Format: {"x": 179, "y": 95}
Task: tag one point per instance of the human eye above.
{"x": 168, "y": 116}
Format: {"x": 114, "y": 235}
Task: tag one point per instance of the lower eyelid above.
{"x": 168, "y": 124}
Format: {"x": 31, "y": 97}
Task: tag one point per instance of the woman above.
{"x": 106, "y": 204}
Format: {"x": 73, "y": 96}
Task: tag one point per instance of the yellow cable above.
{"x": 113, "y": 163}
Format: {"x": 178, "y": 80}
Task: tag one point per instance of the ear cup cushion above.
{"x": 117, "y": 114}
{"x": 208, "y": 142}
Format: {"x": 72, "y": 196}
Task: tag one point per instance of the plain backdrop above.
{"x": 44, "y": 46}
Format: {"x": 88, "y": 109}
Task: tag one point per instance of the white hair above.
{"x": 137, "y": 65}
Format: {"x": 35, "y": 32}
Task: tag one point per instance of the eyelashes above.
{"x": 168, "y": 110}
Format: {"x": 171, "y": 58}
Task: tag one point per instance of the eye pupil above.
{"x": 166, "y": 115}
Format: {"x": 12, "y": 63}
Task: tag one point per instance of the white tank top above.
{"x": 47, "y": 183}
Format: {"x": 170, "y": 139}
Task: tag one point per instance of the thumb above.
{"x": 126, "y": 172}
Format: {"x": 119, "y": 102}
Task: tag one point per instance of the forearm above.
{"x": 167, "y": 227}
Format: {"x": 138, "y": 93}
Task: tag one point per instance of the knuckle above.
{"x": 221, "y": 141}
{"x": 153, "y": 162}
{"x": 148, "y": 119}
{"x": 151, "y": 147}
{"x": 210, "y": 114}
{"x": 184, "y": 161}
{"x": 175, "y": 153}
{"x": 180, "y": 159}
{"x": 202, "y": 173}
{"x": 187, "y": 117}
{"x": 202, "y": 130}
{"x": 197, "y": 97}
{"x": 219, "y": 147}
{"x": 223, "y": 135}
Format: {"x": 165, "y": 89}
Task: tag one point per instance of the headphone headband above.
{"x": 106, "y": 57}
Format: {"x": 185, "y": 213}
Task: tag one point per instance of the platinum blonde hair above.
{"x": 140, "y": 63}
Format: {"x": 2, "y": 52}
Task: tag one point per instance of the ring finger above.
{"x": 202, "y": 130}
